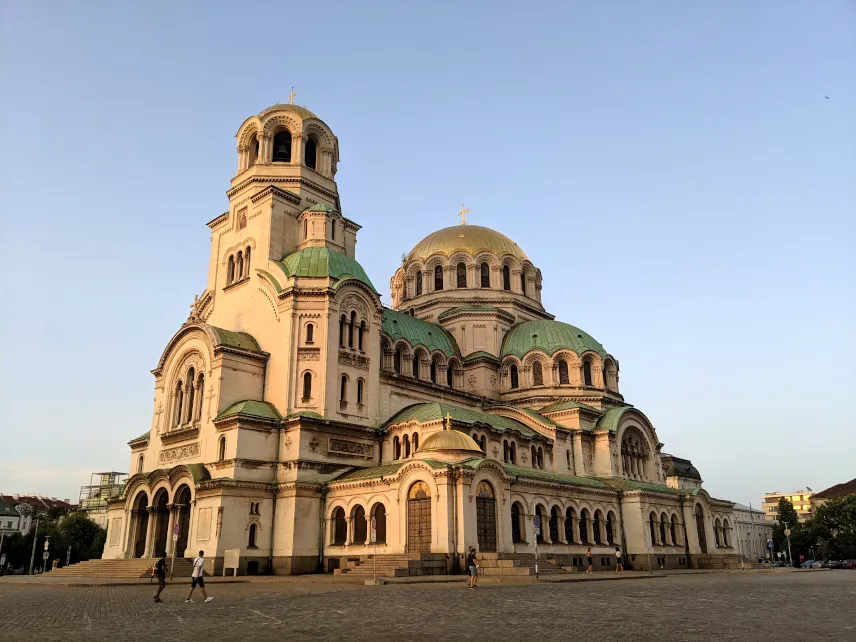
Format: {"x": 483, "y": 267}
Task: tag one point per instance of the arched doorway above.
{"x": 554, "y": 525}
{"x": 699, "y": 520}
{"x": 141, "y": 524}
{"x": 340, "y": 527}
{"x": 379, "y": 514}
{"x": 161, "y": 517}
{"x": 419, "y": 518}
{"x": 539, "y": 511}
{"x": 182, "y": 518}
{"x": 360, "y": 526}
{"x": 486, "y": 517}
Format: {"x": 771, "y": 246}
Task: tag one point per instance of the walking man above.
{"x": 160, "y": 573}
{"x": 472, "y": 569}
{"x": 619, "y": 563}
{"x": 589, "y": 562}
{"x": 197, "y": 577}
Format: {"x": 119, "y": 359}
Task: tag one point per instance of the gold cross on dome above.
{"x": 448, "y": 425}
{"x": 291, "y": 97}
{"x": 463, "y": 214}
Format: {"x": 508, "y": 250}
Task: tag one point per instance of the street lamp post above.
{"x": 35, "y": 537}
{"x": 788, "y": 535}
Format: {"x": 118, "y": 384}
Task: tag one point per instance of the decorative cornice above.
{"x": 220, "y": 219}
{"x": 273, "y": 190}
{"x": 182, "y": 434}
{"x": 269, "y": 180}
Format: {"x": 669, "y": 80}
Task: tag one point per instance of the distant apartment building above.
{"x": 93, "y": 498}
{"x": 801, "y": 499}
{"x": 39, "y": 505}
{"x": 753, "y": 531}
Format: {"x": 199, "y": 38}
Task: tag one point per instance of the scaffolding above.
{"x": 102, "y": 487}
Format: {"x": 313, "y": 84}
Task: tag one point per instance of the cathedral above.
{"x": 301, "y": 423}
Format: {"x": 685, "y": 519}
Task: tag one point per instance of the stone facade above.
{"x": 292, "y": 409}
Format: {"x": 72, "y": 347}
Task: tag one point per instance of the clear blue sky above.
{"x": 673, "y": 168}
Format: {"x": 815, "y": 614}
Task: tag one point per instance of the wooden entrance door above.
{"x": 419, "y": 518}
{"x": 486, "y": 517}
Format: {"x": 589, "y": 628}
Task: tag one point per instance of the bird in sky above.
{"x": 827, "y": 97}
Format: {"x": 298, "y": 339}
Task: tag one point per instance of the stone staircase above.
{"x": 122, "y": 569}
{"x": 404, "y": 565}
{"x": 519, "y": 564}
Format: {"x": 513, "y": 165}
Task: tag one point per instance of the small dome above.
{"x": 446, "y": 440}
{"x": 549, "y": 336}
{"x": 297, "y": 109}
{"x": 469, "y": 238}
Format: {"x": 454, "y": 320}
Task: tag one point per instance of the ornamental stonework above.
{"x": 308, "y": 355}
{"x": 352, "y": 448}
{"x": 354, "y": 360}
{"x": 181, "y": 452}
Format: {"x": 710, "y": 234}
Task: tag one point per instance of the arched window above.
{"x": 505, "y": 450}
{"x": 396, "y": 361}
{"x": 596, "y": 528}
{"x": 305, "y": 229}
{"x": 554, "y": 524}
{"x": 563, "y": 372}
{"x": 514, "y": 379}
{"x": 512, "y": 453}
{"x": 610, "y": 528}
{"x": 221, "y": 451}
{"x": 191, "y": 393}
{"x": 360, "y": 334}
{"x": 396, "y": 446}
{"x": 506, "y": 278}
{"x": 587, "y": 380}
{"x": 663, "y": 521}
{"x": 537, "y": 374}
{"x": 570, "y": 518}
{"x": 252, "y": 539}
{"x": 515, "y": 523}
{"x": 540, "y": 458}
{"x": 310, "y": 153}
{"x": 253, "y": 150}
{"x": 414, "y": 441}
{"x": 247, "y": 261}
{"x": 433, "y": 371}
{"x": 484, "y": 270}
{"x": 700, "y": 529}
{"x": 483, "y": 443}
{"x": 178, "y": 400}
{"x": 343, "y": 322}
{"x": 418, "y": 282}
{"x": 438, "y": 278}
{"x": 379, "y": 513}
{"x": 633, "y": 453}
{"x": 673, "y": 530}
{"x": 725, "y": 529}
{"x": 310, "y": 331}
{"x": 583, "y": 530}
{"x": 239, "y": 268}
{"x": 343, "y": 388}
{"x": 652, "y": 526}
{"x": 568, "y": 457}
{"x": 140, "y": 464}
{"x": 282, "y": 147}
{"x": 360, "y": 384}
{"x": 340, "y": 527}
{"x": 360, "y": 526}
{"x": 406, "y": 446}
{"x": 450, "y": 375}
{"x": 523, "y": 282}
{"x": 200, "y": 391}
{"x": 307, "y": 386}
{"x": 230, "y": 272}
{"x": 416, "y": 359}
{"x": 333, "y": 230}
{"x": 539, "y": 511}
{"x": 534, "y": 455}
{"x": 351, "y": 329}
{"x": 461, "y": 271}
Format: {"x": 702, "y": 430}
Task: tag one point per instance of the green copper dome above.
{"x": 548, "y": 336}
{"x": 323, "y": 262}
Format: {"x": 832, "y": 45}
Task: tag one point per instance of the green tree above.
{"x": 788, "y": 518}
{"x": 82, "y": 534}
{"x": 834, "y": 528}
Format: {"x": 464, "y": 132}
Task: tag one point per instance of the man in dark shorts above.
{"x": 160, "y": 573}
{"x": 472, "y": 569}
{"x": 197, "y": 577}
{"x": 589, "y": 563}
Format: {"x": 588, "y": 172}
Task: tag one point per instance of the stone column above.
{"x": 590, "y": 530}
{"x": 579, "y": 463}
{"x": 561, "y": 529}
{"x": 147, "y": 552}
{"x": 170, "y": 524}
{"x": 297, "y": 150}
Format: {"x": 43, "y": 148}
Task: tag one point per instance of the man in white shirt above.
{"x": 197, "y": 577}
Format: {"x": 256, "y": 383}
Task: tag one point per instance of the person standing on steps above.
{"x": 160, "y": 573}
{"x": 619, "y": 561}
{"x": 589, "y": 562}
{"x": 472, "y": 569}
{"x": 197, "y": 577}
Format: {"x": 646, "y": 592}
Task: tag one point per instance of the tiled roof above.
{"x": 320, "y": 262}
{"x": 144, "y": 437}
{"x": 548, "y": 336}
{"x": 240, "y": 340}
{"x": 481, "y": 354}
{"x": 620, "y": 483}
{"x": 567, "y": 405}
{"x": 537, "y": 416}
{"x": 554, "y": 478}
{"x": 425, "y": 412}
{"x": 305, "y": 413}
{"x": 609, "y": 420}
{"x": 251, "y": 408}
{"x": 370, "y": 473}
{"x": 399, "y": 325}
{"x": 839, "y": 490}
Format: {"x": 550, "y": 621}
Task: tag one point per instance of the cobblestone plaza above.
{"x": 726, "y": 606}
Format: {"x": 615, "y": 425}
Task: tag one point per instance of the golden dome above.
{"x": 449, "y": 440}
{"x": 469, "y": 238}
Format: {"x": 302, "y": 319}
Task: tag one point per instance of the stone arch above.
{"x": 610, "y": 374}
